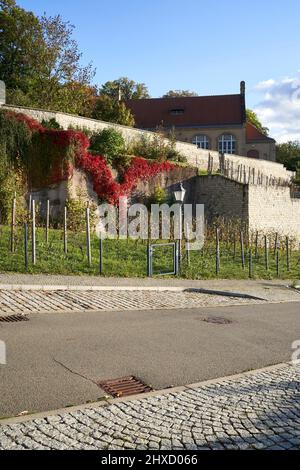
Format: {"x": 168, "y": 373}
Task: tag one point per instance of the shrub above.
{"x": 297, "y": 177}
{"x": 87, "y": 132}
{"x": 109, "y": 143}
{"x": 76, "y": 214}
{"x": 51, "y": 124}
{"x": 11, "y": 183}
{"x": 15, "y": 136}
{"x": 156, "y": 147}
{"x": 159, "y": 196}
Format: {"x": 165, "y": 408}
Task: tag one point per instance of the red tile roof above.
{"x": 254, "y": 135}
{"x": 191, "y": 111}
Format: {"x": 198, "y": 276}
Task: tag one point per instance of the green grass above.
{"x": 128, "y": 258}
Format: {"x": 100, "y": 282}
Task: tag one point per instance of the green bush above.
{"x": 15, "y": 138}
{"x": 76, "y": 214}
{"x": 109, "y": 143}
{"x": 297, "y": 178}
{"x": 51, "y": 124}
{"x": 156, "y": 147}
{"x": 159, "y": 196}
{"x": 11, "y": 183}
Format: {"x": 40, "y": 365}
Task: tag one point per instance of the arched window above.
{"x": 202, "y": 141}
{"x": 227, "y": 143}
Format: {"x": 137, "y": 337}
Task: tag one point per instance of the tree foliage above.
{"x": 41, "y": 64}
{"x": 125, "y": 89}
{"x": 288, "y": 153}
{"x": 253, "y": 119}
{"x": 179, "y": 93}
{"x": 109, "y": 110}
{"x": 109, "y": 143}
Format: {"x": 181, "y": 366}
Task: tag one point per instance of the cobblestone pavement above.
{"x": 260, "y": 410}
{"x": 34, "y": 301}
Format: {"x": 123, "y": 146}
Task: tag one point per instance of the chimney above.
{"x": 243, "y": 88}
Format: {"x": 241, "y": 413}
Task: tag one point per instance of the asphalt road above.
{"x": 54, "y": 360}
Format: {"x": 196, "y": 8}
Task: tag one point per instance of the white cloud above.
{"x": 265, "y": 85}
{"x": 280, "y": 108}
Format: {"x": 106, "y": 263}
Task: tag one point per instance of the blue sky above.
{"x": 205, "y": 46}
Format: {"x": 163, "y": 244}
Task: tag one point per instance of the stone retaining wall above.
{"x": 195, "y": 157}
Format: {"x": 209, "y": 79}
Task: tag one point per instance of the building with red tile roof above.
{"x": 210, "y": 122}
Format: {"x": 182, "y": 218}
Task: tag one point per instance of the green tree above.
{"x": 288, "y": 153}
{"x": 253, "y": 119}
{"x": 110, "y": 110}
{"x": 179, "y": 94}
{"x": 21, "y": 45}
{"x": 62, "y": 82}
{"x": 41, "y": 64}
{"x": 124, "y": 89}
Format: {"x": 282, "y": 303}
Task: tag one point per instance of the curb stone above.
{"x": 107, "y": 401}
{"x": 36, "y": 287}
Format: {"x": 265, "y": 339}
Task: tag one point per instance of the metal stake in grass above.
{"x": 187, "y": 245}
{"x": 218, "y": 262}
{"x": 30, "y": 205}
{"x": 149, "y": 260}
{"x": 256, "y": 245}
{"x": 242, "y": 250}
{"x": 101, "y": 256}
{"x": 26, "y": 245}
{"x": 266, "y": 253}
{"x": 33, "y": 245}
{"x": 65, "y": 231}
{"x": 276, "y": 244}
{"x": 88, "y": 236}
{"x": 47, "y": 220}
{"x": 13, "y": 224}
{"x": 250, "y": 264}
{"x": 277, "y": 263}
{"x": 287, "y": 245}
{"x": 234, "y": 245}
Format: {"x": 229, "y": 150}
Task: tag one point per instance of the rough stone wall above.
{"x": 272, "y": 209}
{"x": 221, "y": 197}
{"x": 168, "y": 181}
{"x": 195, "y": 157}
{"x": 266, "y": 209}
{"x": 79, "y": 186}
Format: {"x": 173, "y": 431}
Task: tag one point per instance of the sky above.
{"x": 200, "y": 45}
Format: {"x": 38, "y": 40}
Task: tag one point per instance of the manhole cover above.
{"x": 124, "y": 387}
{"x": 13, "y": 318}
{"x": 218, "y": 320}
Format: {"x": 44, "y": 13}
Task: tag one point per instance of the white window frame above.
{"x": 201, "y": 141}
{"x": 227, "y": 144}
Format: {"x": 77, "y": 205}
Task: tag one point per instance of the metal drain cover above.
{"x": 13, "y": 318}
{"x": 218, "y": 320}
{"x": 124, "y": 387}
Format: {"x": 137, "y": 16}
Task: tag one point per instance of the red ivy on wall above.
{"x": 95, "y": 166}
{"x": 31, "y": 123}
{"x": 103, "y": 182}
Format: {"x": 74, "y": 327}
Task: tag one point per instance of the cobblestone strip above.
{"x": 65, "y": 301}
{"x": 260, "y": 410}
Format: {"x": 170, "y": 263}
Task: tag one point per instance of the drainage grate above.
{"x": 13, "y": 318}
{"x": 218, "y": 320}
{"x": 124, "y": 387}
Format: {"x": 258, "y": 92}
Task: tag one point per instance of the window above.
{"x": 176, "y": 111}
{"x": 202, "y": 141}
{"x": 227, "y": 144}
